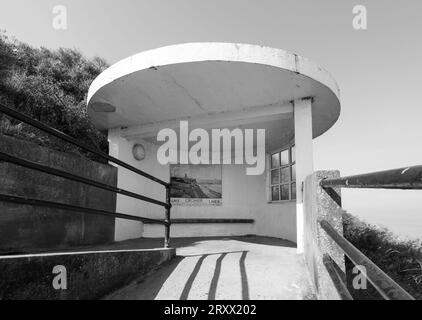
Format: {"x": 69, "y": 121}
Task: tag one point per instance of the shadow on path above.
{"x": 226, "y": 276}
{"x": 216, "y": 276}
{"x": 217, "y": 272}
{"x": 189, "y": 283}
{"x": 244, "y": 276}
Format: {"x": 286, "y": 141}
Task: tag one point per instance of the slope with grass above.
{"x": 400, "y": 259}
{"x": 50, "y": 86}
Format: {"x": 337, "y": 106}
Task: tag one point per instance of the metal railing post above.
{"x": 167, "y": 219}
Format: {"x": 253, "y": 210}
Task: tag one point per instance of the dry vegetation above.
{"x": 400, "y": 259}
{"x": 50, "y": 86}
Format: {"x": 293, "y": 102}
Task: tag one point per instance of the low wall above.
{"x": 25, "y": 229}
{"x": 89, "y": 275}
{"x": 319, "y": 205}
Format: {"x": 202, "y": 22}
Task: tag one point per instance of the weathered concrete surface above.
{"x": 319, "y": 205}
{"x": 238, "y": 268}
{"x": 90, "y": 275}
{"x": 25, "y": 229}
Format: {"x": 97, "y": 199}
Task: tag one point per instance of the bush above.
{"x": 49, "y": 86}
{"x": 401, "y": 260}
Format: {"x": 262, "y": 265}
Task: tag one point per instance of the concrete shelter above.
{"x": 217, "y": 85}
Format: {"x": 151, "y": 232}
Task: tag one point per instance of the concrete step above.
{"x": 76, "y": 275}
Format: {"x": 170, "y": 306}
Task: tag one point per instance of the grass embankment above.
{"x": 49, "y": 86}
{"x": 400, "y": 259}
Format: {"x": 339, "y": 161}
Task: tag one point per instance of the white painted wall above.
{"x": 122, "y": 149}
{"x": 244, "y": 197}
{"x": 277, "y": 220}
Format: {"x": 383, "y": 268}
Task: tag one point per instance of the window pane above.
{"x": 285, "y": 194}
{"x": 293, "y": 154}
{"x": 275, "y": 194}
{"x": 293, "y": 191}
{"x": 285, "y": 175}
{"x": 275, "y": 160}
{"x": 294, "y": 173}
{"x": 284, "y": 158}
{"x": 275, "y": 177}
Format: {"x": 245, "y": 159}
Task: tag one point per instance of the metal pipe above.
{"x": 409, "y": 178}
{"x": 211, "y": 221}
{"x": 66, "y": 175}
{"x": 58, "y": 134}
{"x": 63, "y": 206}
{"x": 386, "y": 286}
{"x": 167, "y": 220}
{"x": 336, "y": 277}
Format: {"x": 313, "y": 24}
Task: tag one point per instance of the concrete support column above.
{"x": 318, "y": 205}
{"x": 304, "y": 159}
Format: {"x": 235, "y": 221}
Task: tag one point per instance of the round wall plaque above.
{"x": 139, "y": 152}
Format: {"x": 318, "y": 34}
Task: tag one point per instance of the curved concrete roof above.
{"x": 200, "y": 79}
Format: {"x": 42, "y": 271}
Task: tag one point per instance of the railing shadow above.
{"x": 191, "y": 279}
{"x": 216, "y": 276}
{"x": 214, "y": 282}
{"x": 244, "y": 276}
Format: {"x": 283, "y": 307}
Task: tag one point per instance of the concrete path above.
{"x": 235, "y": 268}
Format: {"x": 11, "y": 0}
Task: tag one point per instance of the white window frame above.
{"x": 291, "y": 183}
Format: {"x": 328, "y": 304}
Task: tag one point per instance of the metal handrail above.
{"x": 337, "y": 276}
{"x": 59, "y": 173}
{"x": 64, "y": 206}
{"x": 386, "y": 286}
{"x": 58, "y": 134}
{"x": 408, "y": 178}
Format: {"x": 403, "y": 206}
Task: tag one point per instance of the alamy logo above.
{"x": 360, "y": 280}
{"x": 360, "y": 20}
{"x": 217, "y": 149}
{"x": 60, "y": 280}
{"x": 60, "y": 17}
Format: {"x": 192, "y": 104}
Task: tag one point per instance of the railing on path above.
{"x": 59, "y": 173}
{"x": 409, "y": 178}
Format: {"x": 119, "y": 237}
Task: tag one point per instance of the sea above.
{"x": 400, "y": 211}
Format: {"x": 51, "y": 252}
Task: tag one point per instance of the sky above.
{"x": 378, "y": 69}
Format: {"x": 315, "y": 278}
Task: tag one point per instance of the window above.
{"x": 283, "y": 175}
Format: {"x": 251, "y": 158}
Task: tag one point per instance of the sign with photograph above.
{"x": 196, "y": 185}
